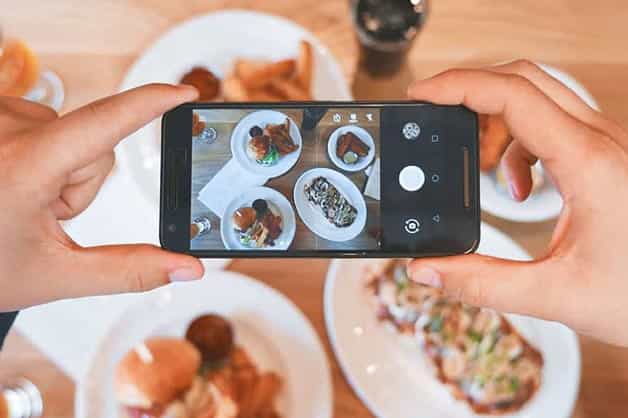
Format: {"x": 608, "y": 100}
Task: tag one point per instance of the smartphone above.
{"x": 319, "y": 179}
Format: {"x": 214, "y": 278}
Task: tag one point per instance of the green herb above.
{"x": 436, "y": 324}
{"x": 271, "y": 157}
{"x": 475, "y": 336}
{"x": 514, "y": 384}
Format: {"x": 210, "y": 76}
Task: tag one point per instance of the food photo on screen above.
{"x": 288, "y": 179}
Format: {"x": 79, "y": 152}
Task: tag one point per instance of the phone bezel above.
{"x": 176, "y": 131}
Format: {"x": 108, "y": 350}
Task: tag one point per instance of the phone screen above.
{"x": 323, "y": 179}
{"x": 294, "y": 179}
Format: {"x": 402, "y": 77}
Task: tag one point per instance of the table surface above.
{"x": 92, "y": 43}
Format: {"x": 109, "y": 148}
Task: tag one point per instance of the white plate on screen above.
{"x": 240, "y": 139}
{"x": 277, "y": 202}
{"x": 364, "y": 136}
{"x": 544, "y": 204}
{"x": 390, "y": 374}
{"x": 272, "y": 329}
{"x": 216, "y": 40}
{"x": 313, "y": 217}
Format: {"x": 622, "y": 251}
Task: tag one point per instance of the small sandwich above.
{"x": 152, "y": 377}
{"x": 262, "y": 150}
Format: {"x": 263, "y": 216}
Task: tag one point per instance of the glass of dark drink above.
{"x": 386, "y": 29}
{"x": 311, "y": 117}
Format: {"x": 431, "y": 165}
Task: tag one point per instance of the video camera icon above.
{"x": 412, "y": 226}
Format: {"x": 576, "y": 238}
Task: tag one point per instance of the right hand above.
{"x": 582, "y": 280}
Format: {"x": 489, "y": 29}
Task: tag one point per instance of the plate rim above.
{"x": 276, "y": 193}
{"x": 330, "y": 279}
{"x": 334, "y": 159}
{"x": 327, "y": 389}
{"x": 362, "y": 203}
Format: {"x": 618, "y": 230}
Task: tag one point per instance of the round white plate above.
{"x": 276, "y": 201}
{"x": 313, "y": 217}
{"x": 215, "y": 41}
{"x": 271, "y": 328}
{"x": 389, "y": 373}
{"x": 364, "y": 136}
{"x": 240, "y": 139}
{"x": 544, "y": 204}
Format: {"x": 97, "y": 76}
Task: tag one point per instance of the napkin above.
{"x": 228, "y": 184}
{"x": 372, "y": 184}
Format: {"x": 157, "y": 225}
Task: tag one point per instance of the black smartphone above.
{"x": 319, "y": 179}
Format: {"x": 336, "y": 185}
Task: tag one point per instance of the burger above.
{"x": 159, "y": 379}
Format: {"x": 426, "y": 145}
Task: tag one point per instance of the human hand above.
{"x": 582, "y": 278}
{"x": 52, "y": 169}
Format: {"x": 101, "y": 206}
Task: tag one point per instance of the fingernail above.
{"x": 512, "y": 191}
{"x": 183, "y": 275}
{"x": 426, "y": 276}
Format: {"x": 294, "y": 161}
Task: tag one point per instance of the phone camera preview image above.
{"x": 299, "y": 179}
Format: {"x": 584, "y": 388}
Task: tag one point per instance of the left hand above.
{"x": 51, "y": 169}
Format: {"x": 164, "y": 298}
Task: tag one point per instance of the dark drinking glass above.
{"x": 311, "y": 117}
{"x": 386, "y": 29}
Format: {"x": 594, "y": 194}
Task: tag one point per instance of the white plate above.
{"x": 364, "y": 136}
{"x": 272, "y": 329}
{"x": 216, "y": 40}
{"x": 389, "y": 373}
{"x": 277, "y": 202}
{"x": 313, "y": 217}
{"x": 240, "y": 139}
{"x": 544, "y": 204}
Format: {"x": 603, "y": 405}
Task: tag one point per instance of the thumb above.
{"x": 524, "y": 287}
{"x": 131, "y": 268}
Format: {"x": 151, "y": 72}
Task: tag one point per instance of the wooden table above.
{"x": 92, "y": 43}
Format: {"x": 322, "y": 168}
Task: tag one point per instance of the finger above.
{"x": 82, "y": 187}
{"x": 566, "y": 98}
{"x": 95, "y": 129}
{"x": 129, "y": 268}
{"x": 532, "y": 117}
{"x": 506, "y": 286}
{"x": 516, "y": 164}
{"x": 28, "y": 109}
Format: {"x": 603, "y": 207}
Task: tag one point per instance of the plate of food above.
{"x": 330, "y": 204}
{"x": 259, "y": 219}
{"x": 228, "y": 347}
{"x": 545, "y": 201}
{"x": 351, "y": 148}
{"x": 446, "y": 358}
{"x": 266, "y": 142}
{"x": 274, "y": 59}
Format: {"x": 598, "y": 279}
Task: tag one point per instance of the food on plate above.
{"x": 260, "y": 80}
{"x": 494, "y": 139}
{"x": 212, "y": 335}
{"x": 477, "y": 353}
{"x": 259, "y": 225}
{"x": 350, "y": 148}
{"x": 153, "y": 374}
{"x": 207, "y": 84}
{"x": 165, "y": 378}
{"x": 328, "y": 199}
{"x": 280, "y": 137}
{"x": 538, "y": 180}
{"x": 262, "y": 150}
{"x": 267, "y": 145}
{"x": 197, "y": 124}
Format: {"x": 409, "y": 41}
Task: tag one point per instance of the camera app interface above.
{"x": 284, "y": 180}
